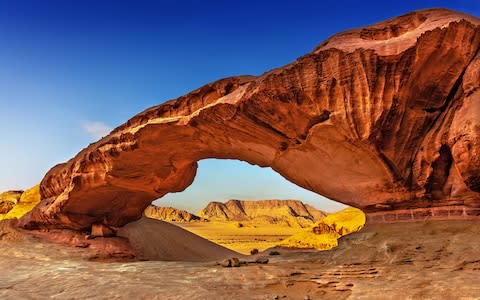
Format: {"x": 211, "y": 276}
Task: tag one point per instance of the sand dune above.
{"x": 159, "y": 240}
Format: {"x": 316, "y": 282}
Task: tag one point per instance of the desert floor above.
{"x": 439, "y": 260}
{"x": 241, "y": 239}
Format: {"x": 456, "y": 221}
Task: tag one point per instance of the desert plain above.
{"x": 418, "y": 260}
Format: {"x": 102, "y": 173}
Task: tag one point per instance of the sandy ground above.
{"x": 439, "y": 260}
{"x": 159, "y": 240}
{"x": 241, "y": 239}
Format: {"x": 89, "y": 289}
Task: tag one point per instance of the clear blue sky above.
{"x": 71, "y": 70}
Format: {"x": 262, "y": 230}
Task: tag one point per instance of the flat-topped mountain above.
{"x": 280, "y": 212}
{"x": 170, "y": 214}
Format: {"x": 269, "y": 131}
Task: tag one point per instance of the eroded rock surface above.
{"x": 383, "y": 118}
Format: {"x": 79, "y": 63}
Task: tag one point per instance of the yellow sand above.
{"x": 324, "y": 234}
{"x": 263, "y": 235}
{"x": 27, "y": 202}
{"x": 8, "y": 200}
{"x": 241, "y": 239}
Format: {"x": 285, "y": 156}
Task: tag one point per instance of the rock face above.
{"x": 170, "y": 214}
{"x": 383, "y": 118}
{"x": 283, "y": 212}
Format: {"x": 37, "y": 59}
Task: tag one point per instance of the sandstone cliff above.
{"x": 170, "y": 214}
{"x": 383, "y": 118}
{"x": 278, "y": 212}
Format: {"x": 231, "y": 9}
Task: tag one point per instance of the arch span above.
{"x": 383, "y": 123}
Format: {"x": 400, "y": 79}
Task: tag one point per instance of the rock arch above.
{"x": 380, "y": 118}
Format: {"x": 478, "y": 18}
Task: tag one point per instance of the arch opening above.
{"x": 225, "y": 179}
{"x": 245, "y": 207}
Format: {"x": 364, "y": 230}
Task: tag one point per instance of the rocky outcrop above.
{"x": 8, "y": 200}
{"x": 383, "y": 118}
{"x": 15, "y": 204}
{"x": 170, "y": 214}
{"x": 280, "y": 212}
{"x": 324, "y": 234}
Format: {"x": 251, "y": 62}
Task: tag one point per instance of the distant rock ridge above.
{"x": 280, "y": 212}
{"x": 170, "y": 214}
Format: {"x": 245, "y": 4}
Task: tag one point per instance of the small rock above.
{"x": 82, "y": 245}
{"x": 244, "y": 262}
{"x": 276, "y": 297}
{"x": 89, "y": 237}
{"x": 227, "y": 263}
{"x": 254, "y": 251}
{"x": 262, "y": 260}
{"x": 235, "y": 262}
{"x": 307, "y": 297}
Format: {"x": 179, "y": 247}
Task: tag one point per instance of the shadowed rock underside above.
{"x": 384, "y": 118}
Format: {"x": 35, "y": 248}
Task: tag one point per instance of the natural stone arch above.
{"x": 377, "y": 127}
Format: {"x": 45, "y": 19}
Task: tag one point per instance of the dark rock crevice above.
{"x": 438, "y": 178}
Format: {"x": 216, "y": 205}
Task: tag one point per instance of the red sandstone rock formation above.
{"x": 383, "y": 118}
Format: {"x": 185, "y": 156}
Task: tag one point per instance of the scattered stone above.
{"x": 274, "y": 252}
{"x": 89, "y": 237}
{"x": 254, "y": 251}
{"x": 227, "y": 263}
{"x": 232, "y": 262}
{"x": 261, "y": 260}
{"x": 82, "y": 245}
{"x": 296, "y": 273}
{"x": 235, "y": 262}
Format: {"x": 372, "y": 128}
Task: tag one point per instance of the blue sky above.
{"x": 72, "y": 70}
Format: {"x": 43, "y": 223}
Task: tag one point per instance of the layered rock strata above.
{"x": 384, "y": 118}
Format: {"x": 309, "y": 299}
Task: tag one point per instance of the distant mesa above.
{"x": 170, "y": 214}
{"x": 293, "y": 213}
